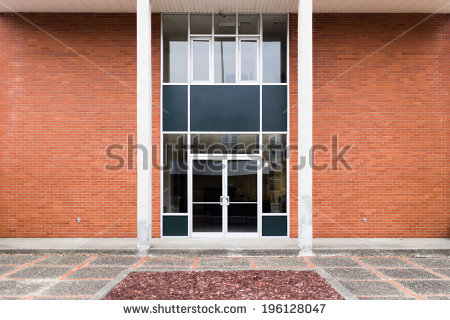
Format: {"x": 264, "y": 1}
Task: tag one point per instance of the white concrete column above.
{"x": 144, "y": 125}
{"x": 305, "y": 125}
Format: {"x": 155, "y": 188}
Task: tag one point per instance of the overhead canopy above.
{"x": 227, "y": 6}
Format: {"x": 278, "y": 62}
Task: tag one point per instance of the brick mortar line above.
{"x": 426, "y": 269}
{"x": 252, "y": 263}
{"x": 388, "y": 279}
{"x": 23, "y": 266}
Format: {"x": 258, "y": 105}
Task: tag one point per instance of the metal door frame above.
{"x": 225, "y": 158}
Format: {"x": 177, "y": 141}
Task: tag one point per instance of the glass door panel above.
{"x": 242, "y": 192}
{"x": 207, "y": 190}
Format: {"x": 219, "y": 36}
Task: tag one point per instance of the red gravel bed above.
{"x": 224, "y": 285}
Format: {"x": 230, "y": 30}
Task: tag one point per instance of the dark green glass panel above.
{"x": 175, "y": 108}
{"x": 274, "y": 108}
{"x": 224, "y": 108}
{"x": 175, "y": 225}
{"x": 274, "y": 226}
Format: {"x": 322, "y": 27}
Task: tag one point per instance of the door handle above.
{"x": 224, "y": 201}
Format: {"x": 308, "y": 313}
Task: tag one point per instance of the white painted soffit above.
{"x": 227, "y": 6}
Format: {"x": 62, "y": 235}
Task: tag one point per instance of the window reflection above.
{"x": 248, "y": 23}
{"x": 175, "y": 48}
{"x": 274, "y": 173}
{"x": 224, "y": 60}
{"x": 175, "y": 173}
{"x": 249, "y": 60}
{"x": 201, "y": 23}
{"x": 200, "y": 60}
{"x": 225, "y": 24}
{"x": 274, "y": 48}
{"x": 224, "y": 143}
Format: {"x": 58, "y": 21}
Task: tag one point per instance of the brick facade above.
{"x": 60, "y": 111}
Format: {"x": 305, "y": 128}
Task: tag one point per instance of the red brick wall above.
{"x": 59, "y": 112}
{"x": 391, "y": 104}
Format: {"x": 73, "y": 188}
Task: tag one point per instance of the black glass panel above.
{"x": 175, "y": 108}
{"x": 274, "y": 173}
{"x": 242, "y": 180}
{"x": 242, "y": 217}
{"x": 225, "y": 143}
{"x": 224, "y": 108}
{"x": 207, "y": 217}
{"x": 206, "y": 180}
{"x": 175, "y": 173}
{"x": 274, "y": 108}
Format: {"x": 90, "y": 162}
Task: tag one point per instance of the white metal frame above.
{"x": 259, "y": 133}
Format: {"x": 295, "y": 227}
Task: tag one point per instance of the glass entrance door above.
{"x": 224, "y": 196}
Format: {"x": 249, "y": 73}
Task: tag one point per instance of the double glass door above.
{"x": 224, "y": 195}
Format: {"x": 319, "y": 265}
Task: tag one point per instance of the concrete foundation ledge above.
{"x": 230, "y": 247}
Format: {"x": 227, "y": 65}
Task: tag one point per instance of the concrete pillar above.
{"x": 144, "y": 125}
{"x": 305, "y": 109}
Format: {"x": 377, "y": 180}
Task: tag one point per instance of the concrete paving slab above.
{"x": 223, "y": 263}
{"x": 352, "y": 274}
{"x": 385, "y": 262}
{"x": 373, "y": 288}
{"x": 17, "y": 259}
{"x": 65, "y": 260}
{"x": 442, "y": 272}
{"x": 102, "y": 272}
{"x": 6, "y": 269}
{"x": 428, "y": 287}
{"x": 19, "y": 287}
{"x": 387, "y": 298}
{"x": 74, "y": 288}
{"x": 334, "y": 262}
{"x": 168, "y": 262}
{"x": 444, "y": 297}
{"x": 407, "y": 273}
{"x": 279, "y": 262}
{"x": 115, "y": 260}
{"x": 36, "y": 272}
{"x": 431, "y": 263}
{"x": 60, "y": 298}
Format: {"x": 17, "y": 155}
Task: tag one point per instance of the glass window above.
{"x": 201, "y": 24}
{"x": 224, "y": 143}
{"x": 274, "y": 173}
{"x": 225, "y": 60}
{"x": 225, "y": 24}
{"x": 249, "y": 60}
{"x": 200, "y": 60}
{"x": 274, "y": 48}
{"x": 175, "y": 173}
{"x": 175, "y": 48}
{"x": 248, "y": 23}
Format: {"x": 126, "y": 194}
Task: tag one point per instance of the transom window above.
{"x": 224, "y": 48}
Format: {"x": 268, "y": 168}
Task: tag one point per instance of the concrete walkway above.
{"x": 231, "y": 247}
{"x": 87, "y": 276}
